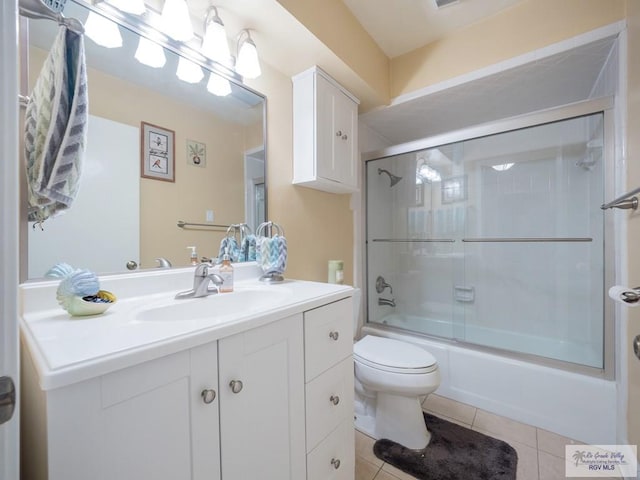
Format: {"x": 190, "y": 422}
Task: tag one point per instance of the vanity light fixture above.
{"x": 218, "y": 85}
{"x": 176, "y": 21}
{"x": 188, "y": 71}
{"x": 150, "y": 53}
{"x": 136, "y": 7}
{"x": 502, "y": 167}
{"x": 425, "y": 173}
{"x": 215, "y": 44}
{"x": 102, "y": 31}
{"x": 247, "y": 63}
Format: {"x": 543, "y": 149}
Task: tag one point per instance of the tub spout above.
{"x": 390, "y": 302}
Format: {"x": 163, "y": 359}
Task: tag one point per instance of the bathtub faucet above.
{"x": 381, "y": 284}
{"x": 390, "y": 302}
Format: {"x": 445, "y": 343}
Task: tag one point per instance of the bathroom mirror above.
{"x": 123, "y": 218}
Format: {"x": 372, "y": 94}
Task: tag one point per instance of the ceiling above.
{"x": 400, "y": 26}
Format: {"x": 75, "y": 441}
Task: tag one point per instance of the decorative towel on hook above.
{"x": 230, "y": 245}
{"x": 271, "y": 251}
{"x": 249, "y": 245}
{"x": 56, "y": 128}
{"x": 272, "y": 255}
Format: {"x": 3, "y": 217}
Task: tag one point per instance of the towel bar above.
{"x": 626, "y": 201}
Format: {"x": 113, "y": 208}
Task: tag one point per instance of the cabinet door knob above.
{"x": 344, "y": 137}
{"x": 208, "y": 395}
{"x": 334, "y": 335}
{"x": 236, "y": 386}
{"x": 339, "y": 133}
{"x": 336, "y": 463}
{"x": 335, "y": 399}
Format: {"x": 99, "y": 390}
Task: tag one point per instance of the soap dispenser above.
{"x": 226, "y": 272}
{"x": 193, "y": 258}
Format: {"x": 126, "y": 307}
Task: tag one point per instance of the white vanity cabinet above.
{"x": 325, "y": 133}
{"x": 268, "y": 399}
{"x": 328, "y": 339}
{"x": 157, "y": 420}
{"x": 262, "y": 402}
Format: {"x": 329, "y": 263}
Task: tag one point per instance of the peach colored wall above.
{"x": 318, "y": 225}
{"x": 334, "y": 24}
{"x": 219, "y": 186}
{"x": 525, "y": 27}
{"x": 633, "y": 232}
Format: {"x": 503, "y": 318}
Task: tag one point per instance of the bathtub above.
{"x": 575, "y": 405}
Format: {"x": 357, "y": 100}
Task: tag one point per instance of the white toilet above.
{"x": 392, "y": 378}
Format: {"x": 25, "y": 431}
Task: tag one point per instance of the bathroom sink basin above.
{"x": 218, "y": 307}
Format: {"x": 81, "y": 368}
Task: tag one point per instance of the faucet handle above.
{"x": 202, "y": 269}
{"x": 381, "y": 284}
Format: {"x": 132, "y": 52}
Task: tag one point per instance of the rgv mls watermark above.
{"x": 601, "y": 461}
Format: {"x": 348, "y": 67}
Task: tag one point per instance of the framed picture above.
{"x": 196, "y": 153}
{"x": 454, "y": 189}
{"x": 158, "y": 152}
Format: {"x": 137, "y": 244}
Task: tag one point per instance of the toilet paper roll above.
{"x": 625, "y": 295}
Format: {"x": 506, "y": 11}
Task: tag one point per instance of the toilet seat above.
{"x": 393, "y": 356}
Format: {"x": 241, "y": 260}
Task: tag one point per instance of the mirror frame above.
{"x": 140, "y": 28}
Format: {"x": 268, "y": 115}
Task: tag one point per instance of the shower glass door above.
{"x": 495, "y": 241}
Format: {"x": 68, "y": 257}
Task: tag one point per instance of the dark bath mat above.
{"x": 454, "y": 453}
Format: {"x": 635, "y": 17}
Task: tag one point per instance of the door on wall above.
{"x": 9, "y": 421}
{"x": 105, "y": 212}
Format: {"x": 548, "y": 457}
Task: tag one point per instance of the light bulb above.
{"x": 150, "y": 53}
{"x": 248, "y": 64}
{"x": 102, "y": 31}
{"x": 218, "y": 85}
{"x": 136, "y": 7}
{"x": 215, "y": 44}
{"x": 188, "y": 71}
{"x": 175, "y": 20}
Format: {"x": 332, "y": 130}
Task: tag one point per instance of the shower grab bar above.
{"x": 628, "y": 200}
{"x": 414, "y": 240}
{"x": 526, "y": 240}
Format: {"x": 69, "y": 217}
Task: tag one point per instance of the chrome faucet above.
{"x": 201, "y": 279}
{"x": 390, "y": 302}
{"x": 381, "y": 284}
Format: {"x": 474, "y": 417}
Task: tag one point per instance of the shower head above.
{"x": 394, "y": 178}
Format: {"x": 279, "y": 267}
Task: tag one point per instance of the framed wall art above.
{"x": 196, "y": 153}
{"x": 158, "y": 152}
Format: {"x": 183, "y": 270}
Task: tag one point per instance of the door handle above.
{"x": 7, "y": 399}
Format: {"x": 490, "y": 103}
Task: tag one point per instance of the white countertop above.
{"x": 69, "y": 349}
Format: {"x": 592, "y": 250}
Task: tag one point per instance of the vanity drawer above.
{"x": 334, "y": 458}
{"x": 328, "y": 336}
{"x": 329, "y": 401}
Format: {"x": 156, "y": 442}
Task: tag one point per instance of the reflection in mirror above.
{"x": 121, "y": 216}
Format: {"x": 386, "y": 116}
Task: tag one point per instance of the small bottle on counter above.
{"x": 193, "y": 258}
{"x": 226, "y": 272}
{"x": 336, "y": 271}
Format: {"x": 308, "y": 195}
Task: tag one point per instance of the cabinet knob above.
{"x": 236, "y": 386}
{"x": 339, "y": 133}
{"x": 335, "y": 399}
{"x": 344, "y": 137}
{"x": 336, "y": 463}
{"x": 334, "y": 335}
{"x": 208, "y": 395}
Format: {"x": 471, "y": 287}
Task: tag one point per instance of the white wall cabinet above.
{"x": 232, "y": 409}
{"x": 325, "y": 133}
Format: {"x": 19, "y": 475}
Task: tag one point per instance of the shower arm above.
{"x": 626, "y": 201}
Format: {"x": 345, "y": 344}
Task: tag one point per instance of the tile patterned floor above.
{"x": 540, "y": 453}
